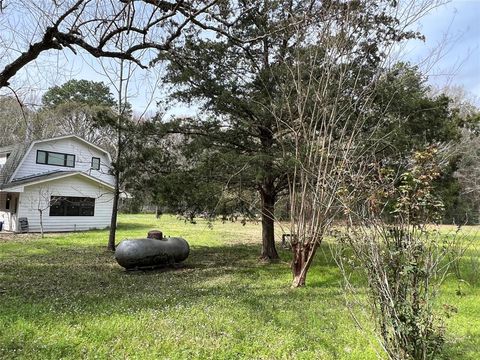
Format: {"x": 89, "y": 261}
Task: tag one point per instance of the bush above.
{"x": 400, "y": 254}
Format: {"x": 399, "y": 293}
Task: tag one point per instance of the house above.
{"x": 62, "y": 184}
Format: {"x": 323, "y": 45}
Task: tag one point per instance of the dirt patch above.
{"x": 8, "y": 236}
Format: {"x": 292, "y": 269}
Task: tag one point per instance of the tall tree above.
{"x": 411, "y": 116}
{"x": 121, "y": 127}
{"x": 79, "y": 91}
{"x": 14, "y": 120}
{"x": 241, "y": 86}
{"x": 235, "y": 82}
{"x": 74, "y": 108}
{"x": 467, "y": 173}
{"x": 345, "y": 111}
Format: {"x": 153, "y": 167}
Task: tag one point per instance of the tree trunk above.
{"x": 269, "y": 252}
{"x": 41, "y": 223}
{"x": 113, "y": 220}
{"x": 303, "y": 254}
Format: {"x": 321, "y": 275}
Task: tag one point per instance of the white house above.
{"x": 63, "y": 182}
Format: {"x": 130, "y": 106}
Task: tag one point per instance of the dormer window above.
{"x": 95, "y": 163}
{"x": 54, "y": 158}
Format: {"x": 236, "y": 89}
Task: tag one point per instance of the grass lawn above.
{"x": 64, "y": 296}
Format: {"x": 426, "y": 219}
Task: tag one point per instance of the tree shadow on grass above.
{"x": 122, "y": 226}
{"x": 67, "y": 282}
{"x": 62, "y": 271}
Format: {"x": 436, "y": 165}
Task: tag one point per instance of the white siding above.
{"x": 9, "y": 217}
{"x": 83, "y": 158}
{"x": 8, "y": 221}
{"x": 3, "y": 159}
{"x": 38, "y": 196}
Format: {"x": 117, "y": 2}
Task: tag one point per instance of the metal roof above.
{"x": 28, "y": 180}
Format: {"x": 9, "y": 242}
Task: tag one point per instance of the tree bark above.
{"x": 269, "y": 252}
{"x": 303, "y": 254}
{"x": 41, "y": 222}
{"x": 113, "y": 220}
{"x": 116, "y": 195}
{"x": 118, "y": 159}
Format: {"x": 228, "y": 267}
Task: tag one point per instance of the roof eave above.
{"x": 11, "y": 187}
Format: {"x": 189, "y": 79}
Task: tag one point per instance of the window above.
{"x": 72, "y": 206}
{"x": 95, "y": 163}
{"x": 7, "y": 202}
{"x": 54, "y": 158}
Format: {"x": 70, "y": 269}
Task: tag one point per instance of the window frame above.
{"x": 91, "y": 163}
{"x": 65, "y": 158}
{"x": 65, "y": 200}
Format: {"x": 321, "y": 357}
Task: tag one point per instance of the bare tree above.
{"x": 121, "y": 126}
{"x": 28, "y": 29}
{"x": 43, "y": 204}
{"x": 327, "y": 113}
{"x": 468, "y": 171}
{"x": 13, "y": 121}
{"x": 120, "y": 140}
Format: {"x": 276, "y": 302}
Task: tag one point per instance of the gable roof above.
{"x": 53, "y": 175}
{"x": 19, "y": 153}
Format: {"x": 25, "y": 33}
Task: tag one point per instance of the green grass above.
{"x": 64, "y": 296}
